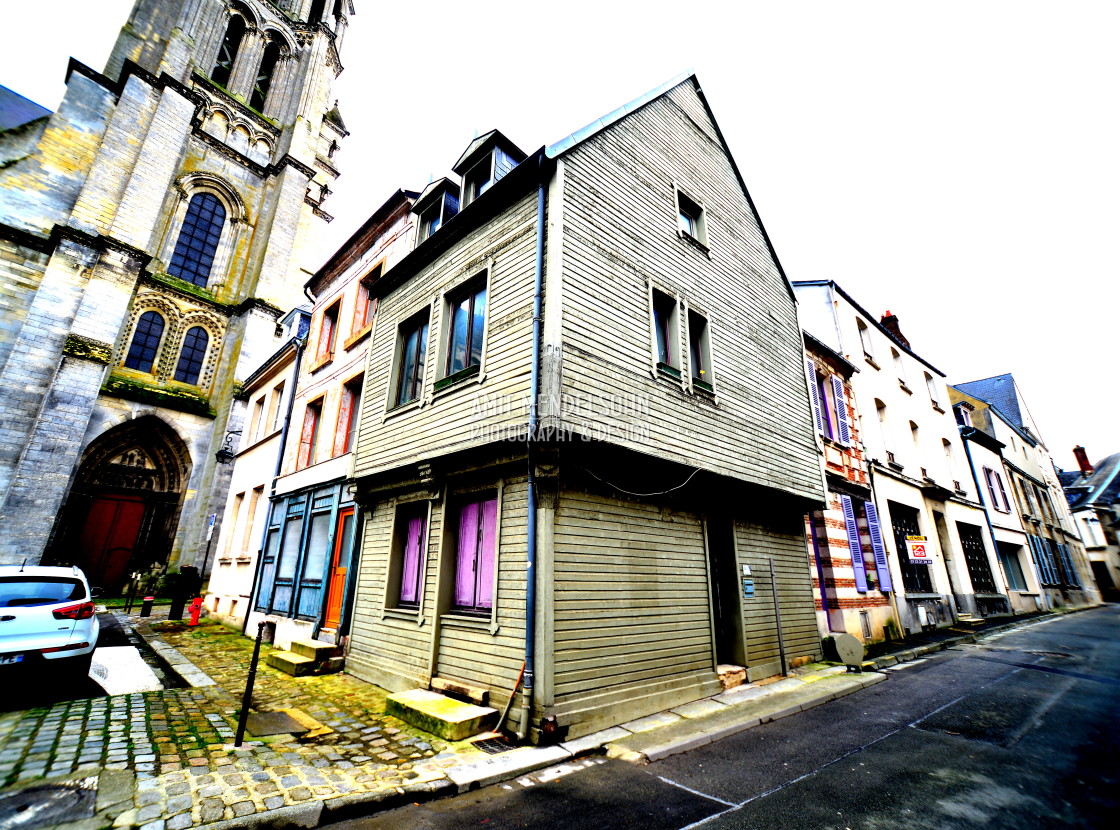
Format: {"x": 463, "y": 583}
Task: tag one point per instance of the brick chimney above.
{"x": 890, "y": 323}
{"x": 1083, "y": 460}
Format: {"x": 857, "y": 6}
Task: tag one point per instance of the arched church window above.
{"x": 145, "y": 342}
{"x": 193, "y": 354}
{"x": 227, "y": 52}
{"x": 316, "y": 13}
{"x": 264, "y": 76}
{"x": 198, "y": 240}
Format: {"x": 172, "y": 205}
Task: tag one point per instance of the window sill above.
{"x": 902, "y": 385}
{"x": 470, "y": 621}
{"x": 703, "y": 387}
{"x": 463, "y": 376}
{"x": 244, "y": 560}
{"x": 871, "y": 361}
{"x": 665, "y": 370}
{"x": 894, "y": 465}
{"x": 937, "y": 408}
{"x": 696, "y": 243}
{"x": 402, "y": 408}
{"x": 405, "y": 614}
{"x": 320, "y": 362}
{"x": 357, "y": 337}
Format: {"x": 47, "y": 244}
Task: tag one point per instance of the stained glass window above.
{"x": 192, "y": 355}
{"x": 198, "y": 240}
{"x": 145, "y": 342}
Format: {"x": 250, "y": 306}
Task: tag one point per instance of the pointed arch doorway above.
{"x": 123, "y": 508}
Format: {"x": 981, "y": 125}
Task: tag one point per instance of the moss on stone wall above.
{"x": 86, "y": 348}
{"x": 179, "y": 398}
{"x": 190, "y": 289}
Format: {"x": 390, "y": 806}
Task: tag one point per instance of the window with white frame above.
{"x": 465, "y": 330}
{"x": 899, "y": 367}
{"x": 996, "y": 490}
{"x": 699, "y": 352}
{"x": 931, "y": 386}
{"x": 963, "y": 415}
{"x": 865, "y": 339}
{"x": 691, "y": 221}
{"x": 830, "y": 405}
{"x": 412, "y": 350}
{"x": 664, "y": 310}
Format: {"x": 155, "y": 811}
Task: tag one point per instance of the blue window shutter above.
{"x": 1068, "y": 559}
{"x": 875, "y": 530}
{"x": 854, "y": 544}
{"x": 843, "y": 433}
{"x": 1034, "y": 558}
{"x": 817, "y": 417}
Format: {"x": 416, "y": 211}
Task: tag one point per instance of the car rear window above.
{"x": 38, "y": 590}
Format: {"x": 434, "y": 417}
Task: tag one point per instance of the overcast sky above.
{"x": 955, "y": 162}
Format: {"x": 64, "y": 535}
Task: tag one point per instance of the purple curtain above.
{"x": 410, "y": 569}
{"x": 468, "y": 548}
{"x": 486, "y": 555}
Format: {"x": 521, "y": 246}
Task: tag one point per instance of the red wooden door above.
{"x": 109, "y": 537}
{"x": 336, "y": 585}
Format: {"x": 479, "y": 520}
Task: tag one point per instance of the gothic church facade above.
{"x": 152, "y": 231}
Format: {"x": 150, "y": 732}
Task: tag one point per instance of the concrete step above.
{"x": 450, "y": 719}
{"x": 290, "y": 663}
{"x": 318, "y": 651}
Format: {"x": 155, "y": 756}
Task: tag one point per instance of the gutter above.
{"x": 531, "y": 522}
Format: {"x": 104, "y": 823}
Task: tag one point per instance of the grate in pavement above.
{"x": 492, "y": 746}
{"x": 51, "y": 804}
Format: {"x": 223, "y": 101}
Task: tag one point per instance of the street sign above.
{"x": 919, "y": 550}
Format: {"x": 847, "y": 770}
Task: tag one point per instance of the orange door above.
{"x": 340, "y": 560}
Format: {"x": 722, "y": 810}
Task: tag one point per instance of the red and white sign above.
{"x": 919, "y": 549}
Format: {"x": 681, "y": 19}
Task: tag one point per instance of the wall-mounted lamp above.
{"x": 226, "y": 454}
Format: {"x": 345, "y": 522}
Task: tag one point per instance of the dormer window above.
{"x": 486, "y": 160}
{"x": 436, "y": 205}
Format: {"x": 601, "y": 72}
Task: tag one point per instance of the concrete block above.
{"x": 290, "y": 663}
{"x": 440, "y": 715}
{"x": 507, "y": 765}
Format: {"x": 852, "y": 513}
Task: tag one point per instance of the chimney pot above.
{"x": 1083, "y": 460}
{"x": 890, "y": 323}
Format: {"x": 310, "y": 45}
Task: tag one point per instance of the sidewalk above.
{"x": 166, "y": 761}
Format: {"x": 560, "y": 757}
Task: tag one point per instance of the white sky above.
{"x": 955, "y": 162}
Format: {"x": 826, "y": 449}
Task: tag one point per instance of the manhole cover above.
{"x": 48, "y": 804}
{"x": 261, "y": 724}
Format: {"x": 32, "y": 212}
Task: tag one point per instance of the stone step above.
{"x": 318, "y": 651}
{"x": 290, "y": 663}
{"x": 450, "y": 719}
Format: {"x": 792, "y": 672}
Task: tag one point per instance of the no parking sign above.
{"x": 918, "y": 549}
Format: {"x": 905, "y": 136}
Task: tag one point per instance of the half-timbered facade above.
{"x": 586, "y": 449}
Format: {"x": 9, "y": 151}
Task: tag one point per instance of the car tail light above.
{"x": 70, "y": 647}
{"x": 81, "y": 611}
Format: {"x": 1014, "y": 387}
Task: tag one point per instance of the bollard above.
{"x": 247, "y": 699}
{"x": 146, "y": 608}
{"x": 196, "y": 610}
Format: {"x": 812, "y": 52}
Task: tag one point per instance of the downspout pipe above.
{"x": 301, "y": 345}
{"x": 965, "y": 433}
{"x": 531, "y": 524}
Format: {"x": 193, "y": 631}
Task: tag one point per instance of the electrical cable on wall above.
{"x": 629, "y": 493}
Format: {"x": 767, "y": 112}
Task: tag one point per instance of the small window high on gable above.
{"x": 436, "y": 205}
{"x": 488, "y": 158}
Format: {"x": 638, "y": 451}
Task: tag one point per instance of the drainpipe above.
{"x": 301, "y": 344}
{"x": 965, "y": 433}
{"x": 531, "y": 525}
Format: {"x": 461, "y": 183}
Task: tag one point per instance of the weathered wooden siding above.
{"x": 394, "y": 648}
{"x": 756, "y": 545}
{"x": 471, "y": 413}
{"x": 620, "y": 233}
{"x": 632, "y": 629}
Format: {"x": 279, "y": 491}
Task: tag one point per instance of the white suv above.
{"x": 47, "y": 619}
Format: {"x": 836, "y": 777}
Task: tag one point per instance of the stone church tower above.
{"x": 153, "y": 231}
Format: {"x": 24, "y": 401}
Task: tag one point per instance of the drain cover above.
{"x": 492, "y": 746}
{"x": 48, "y": 804}
{"x": 261, "y": 724}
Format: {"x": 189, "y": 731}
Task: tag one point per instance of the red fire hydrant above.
{"x": 195, "y": 610}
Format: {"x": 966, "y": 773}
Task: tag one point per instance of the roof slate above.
{"x": 15, "y": 110}
{"x": 998, "y": 391}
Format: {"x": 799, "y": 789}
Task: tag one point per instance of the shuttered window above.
{"x": 474, "y": 556}
{"x": 309, "y": 435}
{"x": 843, "y": 428}
{"x": 855, "y": 545}
{"x": 875, "y": 531}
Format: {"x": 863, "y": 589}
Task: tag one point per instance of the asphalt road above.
{"x": 1021, "y": 731}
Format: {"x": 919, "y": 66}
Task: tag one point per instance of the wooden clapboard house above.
{"x": 644, "y": 516}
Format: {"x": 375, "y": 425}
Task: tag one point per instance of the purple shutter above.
{"x": 486, "y": 554}
{"x": 854, "y": 544}
{"x": 410, "y": 568}
{"x": 465, "y": 560}
{"x": 874, "y": 530}
{"x": 818, "y": 418}
{"x": 843, "y": 432}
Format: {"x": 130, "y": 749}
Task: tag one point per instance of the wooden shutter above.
{"x": 854, "y": 544}
{"x": 814, "y": 397}
{"x": 1002, "y": 491}
{"x": 466, "y": 556}
{"x": 342, "y": 428}
{"x": 486, "y": 555}
{"x": 843, "y": 431}
{"x": 307, "y": 436}
{"x": 410, "y": 566}
{"x": 875, "y": 531}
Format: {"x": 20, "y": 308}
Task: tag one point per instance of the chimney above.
{"x": 1082, "y": 460}
{"x": 890, "y": 323}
